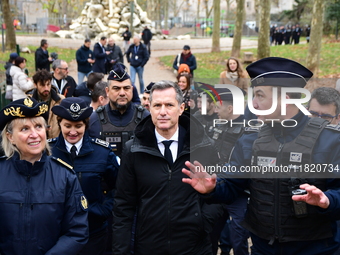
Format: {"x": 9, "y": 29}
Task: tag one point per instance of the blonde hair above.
{"x": 8, "y": 148}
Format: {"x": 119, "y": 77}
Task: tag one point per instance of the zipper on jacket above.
{"x": 169, "y": 208}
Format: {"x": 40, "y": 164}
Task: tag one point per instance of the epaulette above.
{"x": 52, "y": 140}
{"x": 335, "y": 127}
{"x": 69, "y": 167}
{"x": 100, "y": 142}
{"x": 252, "y": 129}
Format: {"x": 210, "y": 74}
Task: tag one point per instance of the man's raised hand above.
{"x": 199, "y": 179}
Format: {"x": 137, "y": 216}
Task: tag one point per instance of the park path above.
{"x": 154, "y": 70}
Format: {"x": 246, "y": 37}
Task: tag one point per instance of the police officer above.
{"x": 227, "y": 130}
{"x": 94, "y": 163}
{"x": 207, "y": 120}
{"x": 43, "y": 209}
{"x": 115, "y": 122}
{"x": 293, "y": 214}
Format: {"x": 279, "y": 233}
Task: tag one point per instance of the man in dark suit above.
{"x": 100, "y": 56}
{"x": 42, "y": 59}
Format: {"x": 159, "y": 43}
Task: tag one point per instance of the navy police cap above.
{"x": 275, "y": 71}
{"x": 73, "y": 109}
{"x": 149, "y": 87}
{"x": 118, "y": 73}
{"x": 225, "y": 94}
{"x": 23, "y": 108}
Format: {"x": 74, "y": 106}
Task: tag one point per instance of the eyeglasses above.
{"x": 327, "y": 117}
{"x": 66, "y": 68}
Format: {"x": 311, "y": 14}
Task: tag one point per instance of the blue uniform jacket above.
{"x": 116, "y": 118}
{"x": 82, "y": 55}
{"x": 95, "y": 162}
{"x": 41, "y": 208}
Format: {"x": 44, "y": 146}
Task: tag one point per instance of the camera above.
{"x": 300, "y": 207}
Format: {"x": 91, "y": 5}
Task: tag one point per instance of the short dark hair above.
{"x": 42, "y": 76}
{"x": 103, "y": 38}
{"x": 162, "y": 85}
{"x": 93, "y": 79}
{"x": 99, "y": 89}
{"x": 325, "y": 96}
{"x": 43, "y": 42}
{"x": 87, "y": 40}
{"x": 19, "y": 60}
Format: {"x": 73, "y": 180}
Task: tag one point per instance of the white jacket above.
{"x": 20, "y": 83}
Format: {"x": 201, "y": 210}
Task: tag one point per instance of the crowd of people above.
{"x": 94, "y": 168}
{"x": 288, "y": 34}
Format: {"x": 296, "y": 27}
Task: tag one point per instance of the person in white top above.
{"x": 21, "y": 82}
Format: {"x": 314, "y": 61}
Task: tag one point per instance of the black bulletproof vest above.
{"x": 225, "y": 139}
{"x": 270, "y": 213}
{"x": 118, "y": 136}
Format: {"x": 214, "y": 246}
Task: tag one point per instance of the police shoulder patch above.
{"x": 101, "y": 142}
{"x": 83, "y": 203}
{"x": 69, "y": 167}
{"x": 333, "y": 127}
{"x": 252, "y": 129}
{"x": 52, "y": 140}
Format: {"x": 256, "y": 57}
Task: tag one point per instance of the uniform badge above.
{"x": 83, "y": 202}
{"x": 295, "y": 157}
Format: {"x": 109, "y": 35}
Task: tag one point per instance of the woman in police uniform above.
{"x": 42, "y": 207}
{"x": 94, "y": 163}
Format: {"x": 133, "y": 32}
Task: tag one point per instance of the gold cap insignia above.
{"x": 28, "y": 102}
{"x": 14, "y": 112}
{"x": 83, "y": 202}
{"x": 42, "y": 109}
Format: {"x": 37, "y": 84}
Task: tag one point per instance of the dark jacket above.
{"x": 9, "y": 80}
{"x": 100, "y": 56}
{"x": 41, "y": 60}
{"x": 82, "y": 55}
{"x": 126, "y": 35}
{"x": 326, "y": 151}
{"x": 68, "y": 86}
{"x": 171, "y": 216}
{"x": 115, "y": 56}
{"x": 94, "y": 163}
{"x": 146, "y": 36}
{"x": 140, "y": 52}
{"x": 190, "y": 61}
{"x": 41, "y": 208}
{"x": 83, "y": 92}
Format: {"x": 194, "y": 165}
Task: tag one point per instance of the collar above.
{"x": 78, "y": 145}
{"x": 160, "y": 138}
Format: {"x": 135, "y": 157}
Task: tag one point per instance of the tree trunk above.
{"x": 263, "y": 45}
{"x": 166, "y": 15}
{"x": 313, "y": 56}
{"x": 198, "y": 10}
{"x": 216, "y": 28}
{"x": 235, "y": 51}
{"x": 10, "y": 33}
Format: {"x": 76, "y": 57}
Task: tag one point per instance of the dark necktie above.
{"x": 73, "y": 152}
{"x": 167, "y": 152}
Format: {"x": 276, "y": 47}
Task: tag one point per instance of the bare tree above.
{"x": 257, "y": 12}
{"x": 207, "y": 9}
{"x": 10, "y": 33}
{"x": 263, "y": 45}
{"x": 216, "y": 28}
{"x": 313, "y": 56}
{"x": 235, "y": 51}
